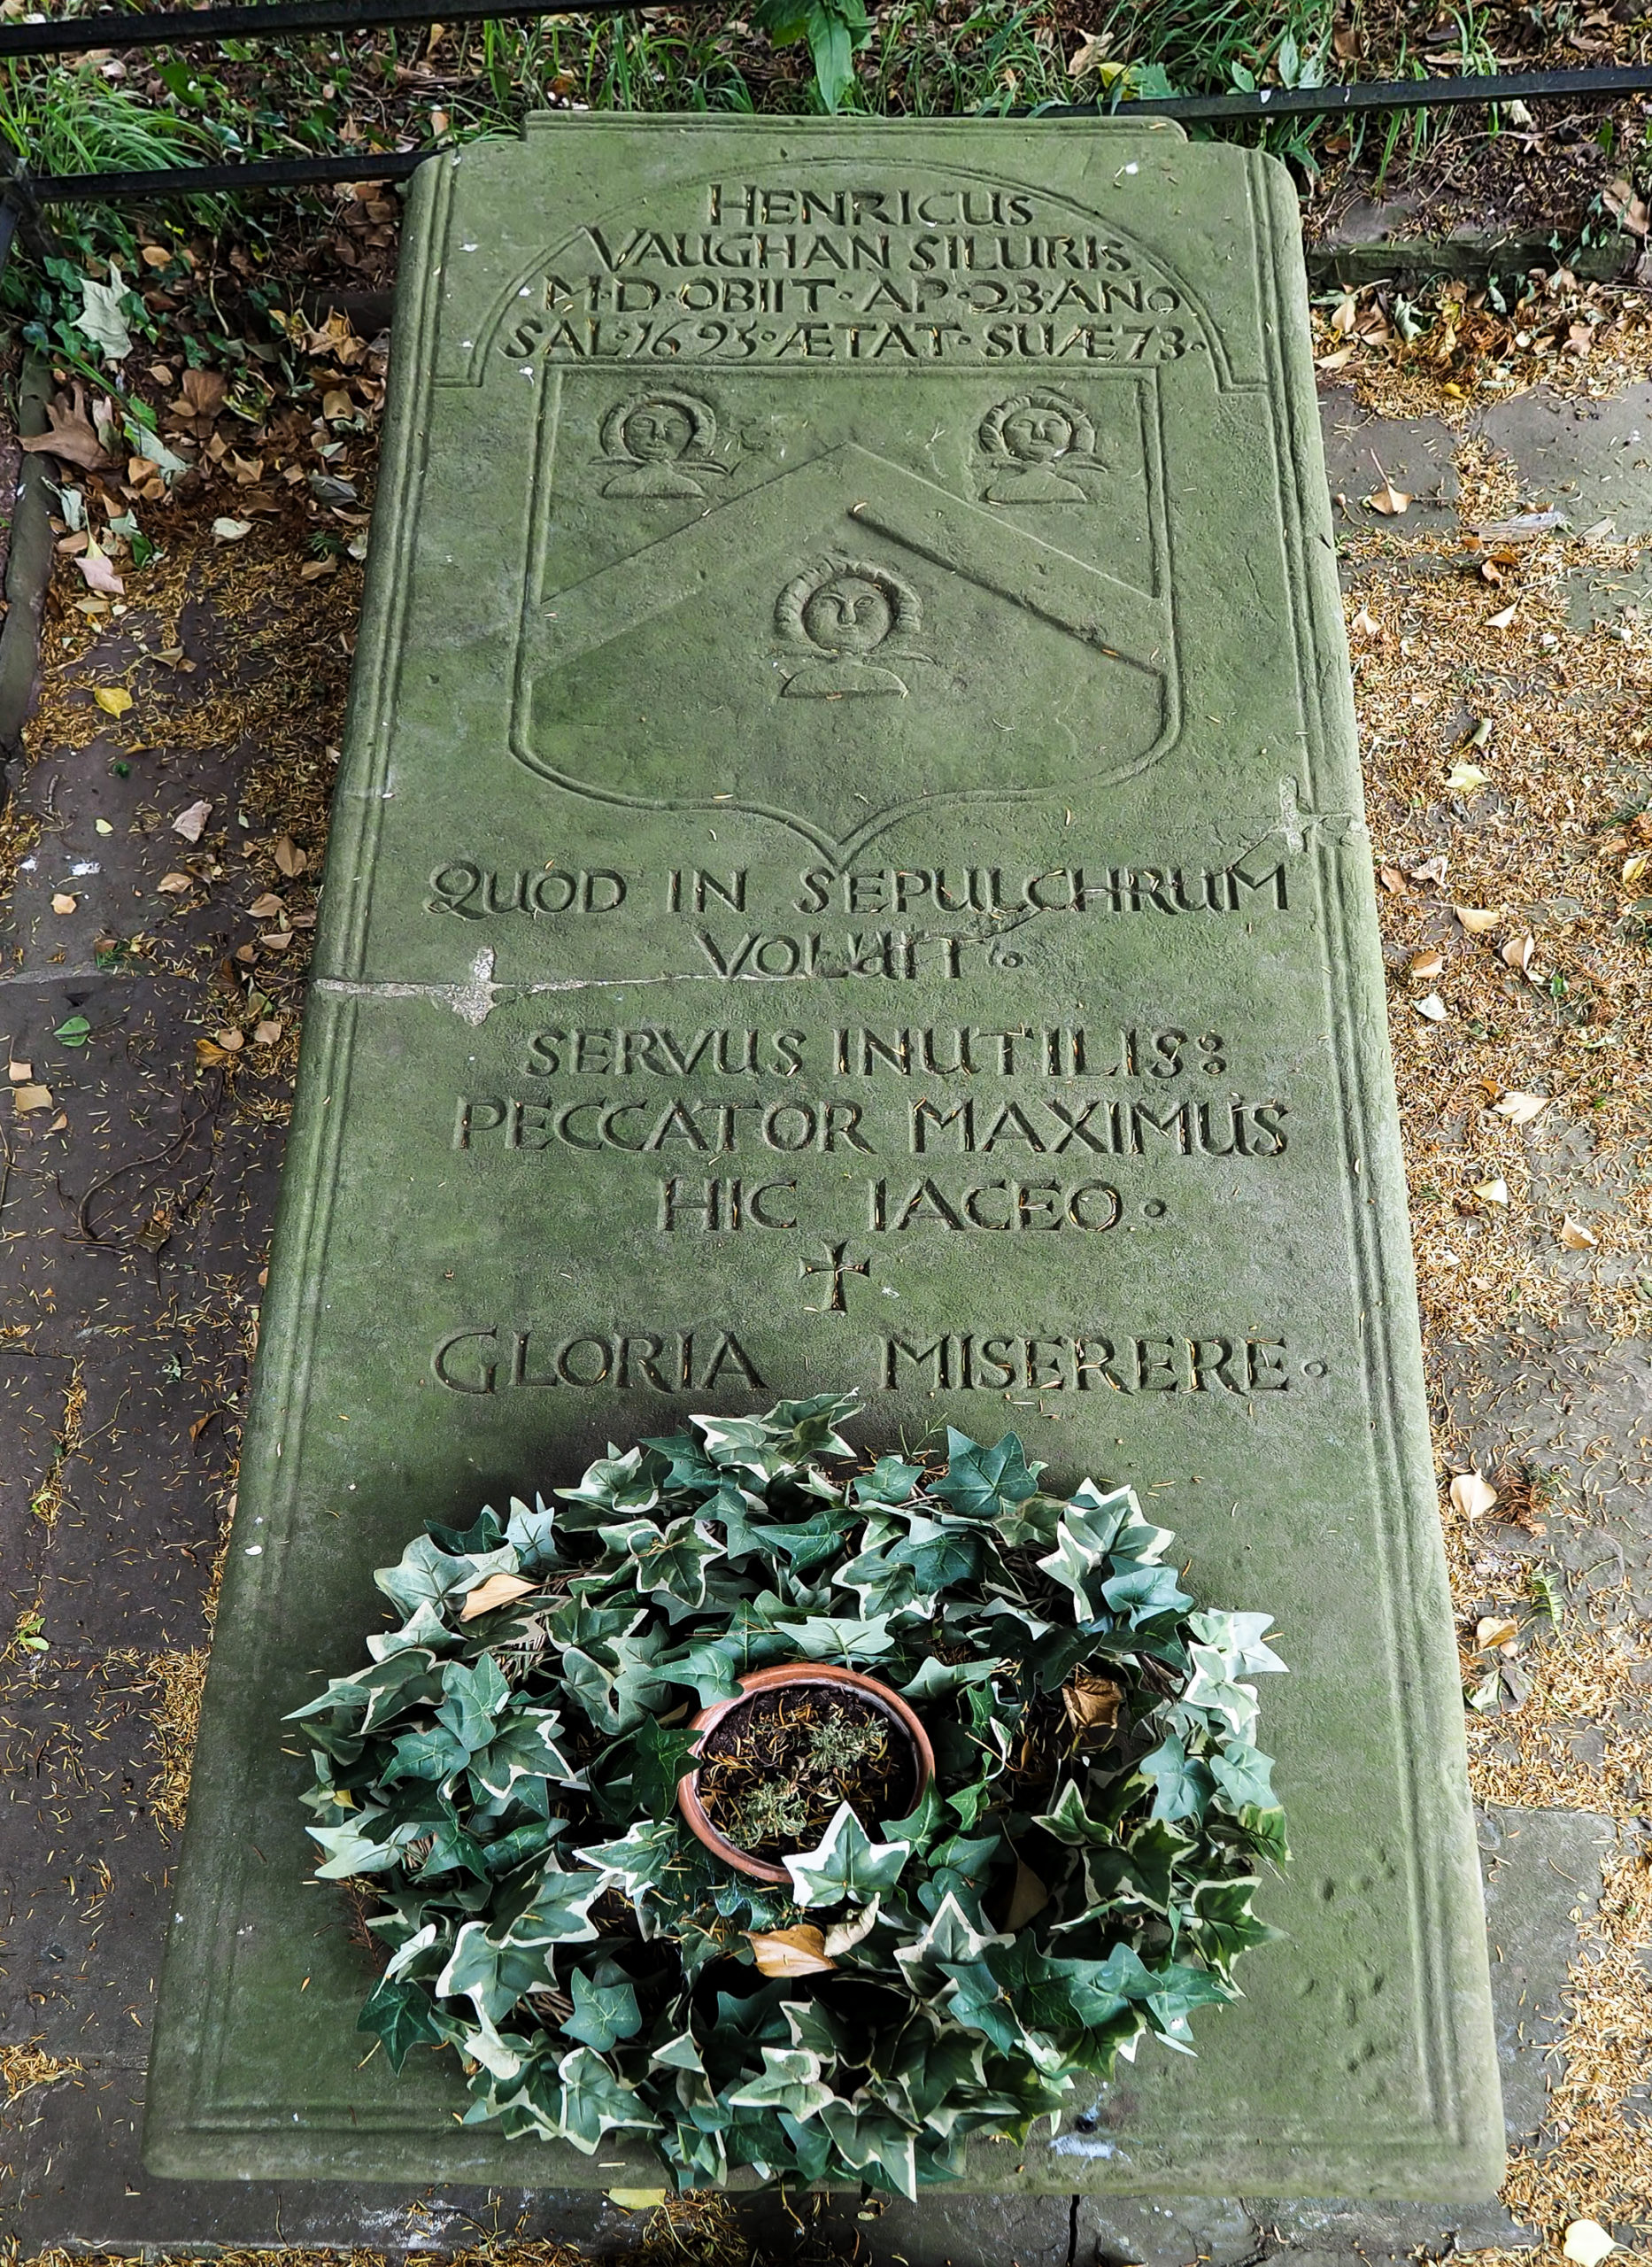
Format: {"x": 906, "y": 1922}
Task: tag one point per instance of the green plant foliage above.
{"x": 1080, "y": 1875}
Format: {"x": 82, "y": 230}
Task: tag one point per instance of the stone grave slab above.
{"x": 848, "y": 872}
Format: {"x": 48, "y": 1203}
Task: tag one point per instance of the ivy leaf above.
{"x": 1244, "y": 1777}
{"x": 713, "y": 1666}
{"x": 829, "y": 1638}
{"x": 613, "y": 1483}
{"x": 939, "y": 1558}
{"x": 639, "y": 1859}
{"x": 986, "y": 1484}
{"x": 532, "y": 1535}
{"x": 523, "y": 1747}
{"x": 487, "y": 1534}
{"x": 595, "y": 2101}
{"x": 1238, "y": 1637}
{"x": 425, "y": 1571}
{"x": 979, "y": 2001}
{"x": 434, "y": 1755}
{"x": 1140, "y": 1591}
{"x": 475, "y": 1698}
{"x": 848, "y": 1863}
{"x": 1210, "y": 1690}
{"x": 658, "y": 1759}
{"x": 1181, "y": 1783}
{"x": 560, "y": 1910}
{"x": 791, "y": 2081}
{"x": 668, "y": 1562}
{"x": 875, "y": 2143}
{"x": 889, "y": 1481}
{"x": 403, "y": 2016}
{"x": 949, "y": 1937}
{"x": 603, "y": 2013}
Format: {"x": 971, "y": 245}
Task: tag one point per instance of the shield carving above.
{"x": 846, "y": 642}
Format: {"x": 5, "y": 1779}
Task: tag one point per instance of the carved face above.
{"x": 848, "y": 614}
{"x": 658, "y": 432}
{"x": 1038, "y": 435}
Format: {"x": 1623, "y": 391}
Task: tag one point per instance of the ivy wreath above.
{"x": 501, "y": 1780}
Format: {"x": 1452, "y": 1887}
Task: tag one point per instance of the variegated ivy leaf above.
{"x": 425, "y": 1571}
{"x": 613, "y": 1483}
{"x": 777, "y": 1444}
{"x": 934, "y": 1679}
{"x": 986, "y": 1484}
{"x": 848, "y": 1863}
{"x": 604, "y": 2009}
{"x": 618, "y": 1685}
{"x": 875, "y": 2142}
{"x": 831, "y": 1638}
{"x": 949, "y": 1937}
{"x": 523, "y": 1747}
{"x": 424, "y": 1628}
{"x": 532, "y": 1535}
{"x": 560, "y": 1911}
{"x": 595, "y": 2102}
{"x": 350, "y": 1849}
{"x": 1238, "y": 1638}
{"x": 791, "y": 2081}
{"x": 1210, "y": 1689}
{"x": 889, "y": 1481}
{"x": 669, "y": 1562}
{"x": 474, "y": 1697}
{"x": 639, "y": 1859}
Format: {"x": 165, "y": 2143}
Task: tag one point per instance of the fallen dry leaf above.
{"x": 174, "y": 884}
{"x": 1588, "y": 2243}
{"x": 1494, "y": 1192}
{"x": 97, "y": 572}
{"x": 1425, "y": 964}
{"x": 800, "y": 1951}
{"x": 1392, "y": 880}
{"x": 113, "y": 700}
{"x": 266, "y": 908}
{"x": 62, "y": 902}
{"x": 266, "y": 1035}
{"x": 1432, "y": 869}
{"x": 1465, "y": 779}
{"x": 1504, "y": 621}
{"x": 73, "y": 436}
{"x": 31, "y": 1097}
{"x": 1493, "y": 1630}
{"x": 1366, "y": 624}
{"x": 499, "y": 1590}
{"x": 1575, "y": 1236}
{"x": 288, "y": 857}
{"x": 208, "y": 1054}
{"x": 1520, "y": 1110}
{"x": 21, "y": 1073}
{"x": 1472, "y": 1496}
{"x": 231, "y": 1040}
{"x": 1635, "y": 867}
{"x": 1517, "y": 953}
{"x": 1388, "y": 500}
{"x": 228, "y": 530}
{"x": 1476, "y": 919}
{"x": 191, "y": 824}
{"x": 1434, "y": 1008}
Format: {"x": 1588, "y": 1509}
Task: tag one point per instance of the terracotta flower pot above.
{"x": 902, "y": 1721}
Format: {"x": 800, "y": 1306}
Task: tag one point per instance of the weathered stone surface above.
{"x": 780, "y": 730}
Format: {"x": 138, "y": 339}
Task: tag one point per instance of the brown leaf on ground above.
{"x": 191, "y": 824}
{"x": 1494, "y": 1630}
{"x": 30, "y": 1097}
{"x": 73, "y": 438}
{"x": 1091, "y": 1703}
{"x": 1575, "y": 1236}
{"x": 266, "y": 1035}
{"x": 1476, "y": 919}
{"x": 1472, "y": 1496}
{"x": 97, "y": 573}
{"x": 1427, "y": 964}
{"x": 288, "y": 857}
{"x": 1517, "y": 953}
{"x": 174, "y": 884}
{"x": 1520, "y": 1110}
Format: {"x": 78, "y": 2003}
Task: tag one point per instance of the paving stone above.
{"x": 80, "y": 2186}
{"x": 1592, "y": 461}
{"x": 1164, "y": 2232}
{"x": 1542, "y": 1874}
{"x": 941, "y": 2230}
{"x": 800, "y": 620}
{"x": 1414, "y": 455}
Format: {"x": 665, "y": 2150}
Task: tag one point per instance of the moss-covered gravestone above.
{"x": 847, "y": 872}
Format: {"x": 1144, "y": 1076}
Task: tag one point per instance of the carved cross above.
{"x": 838, "y": 1267}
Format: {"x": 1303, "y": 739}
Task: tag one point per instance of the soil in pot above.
{"x": 773, "y": 1773}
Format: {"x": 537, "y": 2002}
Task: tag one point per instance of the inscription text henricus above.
{"x": 774, "y": 272}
